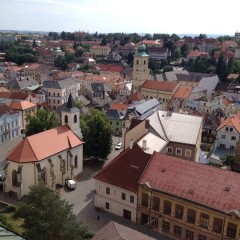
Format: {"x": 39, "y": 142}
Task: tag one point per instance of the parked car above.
{"x": 118, "y": 146}
{"x": 70, "y": 184}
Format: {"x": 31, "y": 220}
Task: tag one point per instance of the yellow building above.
{"x": 25, "y": 108}
{"x": 163, "y": 91}
{"x": 140, "y": 68}
{"x": 99, "y": 50}
{"x": 187, "y": 200}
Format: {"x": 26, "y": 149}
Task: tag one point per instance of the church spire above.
{"x": 70, "y": 101}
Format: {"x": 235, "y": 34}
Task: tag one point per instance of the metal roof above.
{"x": 176, "y": 127}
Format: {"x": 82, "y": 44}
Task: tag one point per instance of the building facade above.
{"x": 187, "y": 206}
{"x": 140, "y": 68}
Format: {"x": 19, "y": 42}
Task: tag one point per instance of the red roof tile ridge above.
{"x": 111, "y": 163}
{"x": 29, "y": 143}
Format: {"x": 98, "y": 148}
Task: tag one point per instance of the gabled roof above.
{"x": 119, "y": 106}
{"x": 43, "y": 145}
{"x": 14, "y": 95}
{"x": 126, "y": 169}
{"x": 160, "y": 86}
{"x": 183, "y": 92}
{"x": 233, "y": 121}
{"x": 116, "y": 231}
{"x": 21, "y": 105}
{"x": 4, "y": 109}
{"x": 205, "y": 185}
{"x": 176, "y": 127}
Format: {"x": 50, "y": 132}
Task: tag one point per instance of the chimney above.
{"x": 144, "y": 144}
{"x": 131, "y": 144}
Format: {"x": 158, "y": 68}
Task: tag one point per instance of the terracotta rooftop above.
{"x": 233, "y": 121}
{"x": 22, "y": 105}
{"x": 136, "y": 97}
{"x": 205, "y": 185}
{"x": 43, "y": 145}
{"x": 126, "y": 169}
{"x": 4, "y": 109}
{"x": 160, "y": 86}
{"x": 116, "y": 231}
{"x": 13, "y": 95}
{"x": 119, "y": 106}
{"x": 183, "y": 92}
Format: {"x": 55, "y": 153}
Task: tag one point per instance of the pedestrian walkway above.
{"x": 96, "y": 220}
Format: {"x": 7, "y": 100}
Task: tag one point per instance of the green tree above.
{"x": 184, "y": 50}
{"x": 168, "y": 69}
{"x": 34, "y": 43}
{"x": 97, "y": 135}
{"x": 228, "y": 161}
{"x": 221, "y": 68}
{"x": 61, "y": 63}
{"x": 176, "y": 54}
{"x": 42, "y": 121}
{"x": 230, "y": 66}
{"x": 47, "y": 216}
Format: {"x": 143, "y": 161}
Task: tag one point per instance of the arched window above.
{"x": 137, "y": 61}
{"x": 66, "y": 119}
{"x": 75, "y": 118}
{"x": 144, "y": 62}
{"x": 14, "y": 178}
{"x": 76, "y": 161}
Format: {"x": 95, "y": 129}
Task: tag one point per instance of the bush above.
{"x": 10, "y": 208}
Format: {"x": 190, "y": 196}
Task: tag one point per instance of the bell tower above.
{"x": 71, "y": 115}
{"x": 140, "y": 68}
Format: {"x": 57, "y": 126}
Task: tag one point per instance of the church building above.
{"x": 51, "y": 156}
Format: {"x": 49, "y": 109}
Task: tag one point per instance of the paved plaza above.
{"x": 82, "y": 197}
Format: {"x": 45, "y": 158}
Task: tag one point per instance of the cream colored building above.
{"x": 186, "y": 200}
{"x": 116, "y": 184}
{"x": 51, "y": 156}
{"x": 141, "y": 72}
{"x": 99, "y": 50}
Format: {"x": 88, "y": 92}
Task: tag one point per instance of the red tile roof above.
{"x": 4, "y": 109}
{"x": 160, "y": 86}
{"x": 43, "y": 145}
{"x": 126, "y": 169}
{"x": 119, "y": 106}
{"x": 136, "y": 97}
{"x": 22, "y": 105}
{"x": 202, "y": 184}
{"x": 183, "y": 92}
{"x": 233, "y": 121}
{"x": 116, "y": 231}
{"x": 13, "y": 95}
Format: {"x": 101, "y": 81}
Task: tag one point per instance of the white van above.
{"x": 70, "y": 184}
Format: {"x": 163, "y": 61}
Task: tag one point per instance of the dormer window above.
{"x": 227, "y": 128}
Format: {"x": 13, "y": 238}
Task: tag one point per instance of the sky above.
{"x": 129, "y": 16}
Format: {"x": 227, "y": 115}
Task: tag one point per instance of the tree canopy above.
{"x": 47, "y": 216}
{"x": 97, "y": 135}
{"x": 42, "y": 121}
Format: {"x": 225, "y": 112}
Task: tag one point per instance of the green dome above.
{"x": 142, "y": 48}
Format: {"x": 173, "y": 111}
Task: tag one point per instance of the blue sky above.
{"x": 103, "y": 16}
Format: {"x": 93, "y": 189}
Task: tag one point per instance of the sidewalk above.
{"x": 89, "y": 216}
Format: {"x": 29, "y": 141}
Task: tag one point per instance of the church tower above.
{"x": 140, "y": 68}
{"x": 71, "y": 115}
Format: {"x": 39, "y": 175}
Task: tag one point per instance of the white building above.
{"x": 58, "y": 91}
{"x": 116, "y": 184}
{"x": 228, "y": 133}
{"x": 9, "y": 123}
{"x": 51, "y": 156}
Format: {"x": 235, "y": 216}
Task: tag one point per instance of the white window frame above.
{"x": 188, "y": 151}
{"x": 179, "y": 154}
